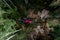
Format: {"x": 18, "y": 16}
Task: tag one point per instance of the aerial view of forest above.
{"x": 29, "y": 19}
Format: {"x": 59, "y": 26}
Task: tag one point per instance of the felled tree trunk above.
{"x": 41, "y": 32}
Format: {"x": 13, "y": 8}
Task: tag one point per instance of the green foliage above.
{"x": 5, "y": 24}
{"x": 53, "y": 14}
{"x": 57, "y": 38}
{"x": 11, "y": 14}
{"x": 56, "y": 32}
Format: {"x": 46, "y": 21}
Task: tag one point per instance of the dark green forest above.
{"x": 29, "y": 19}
